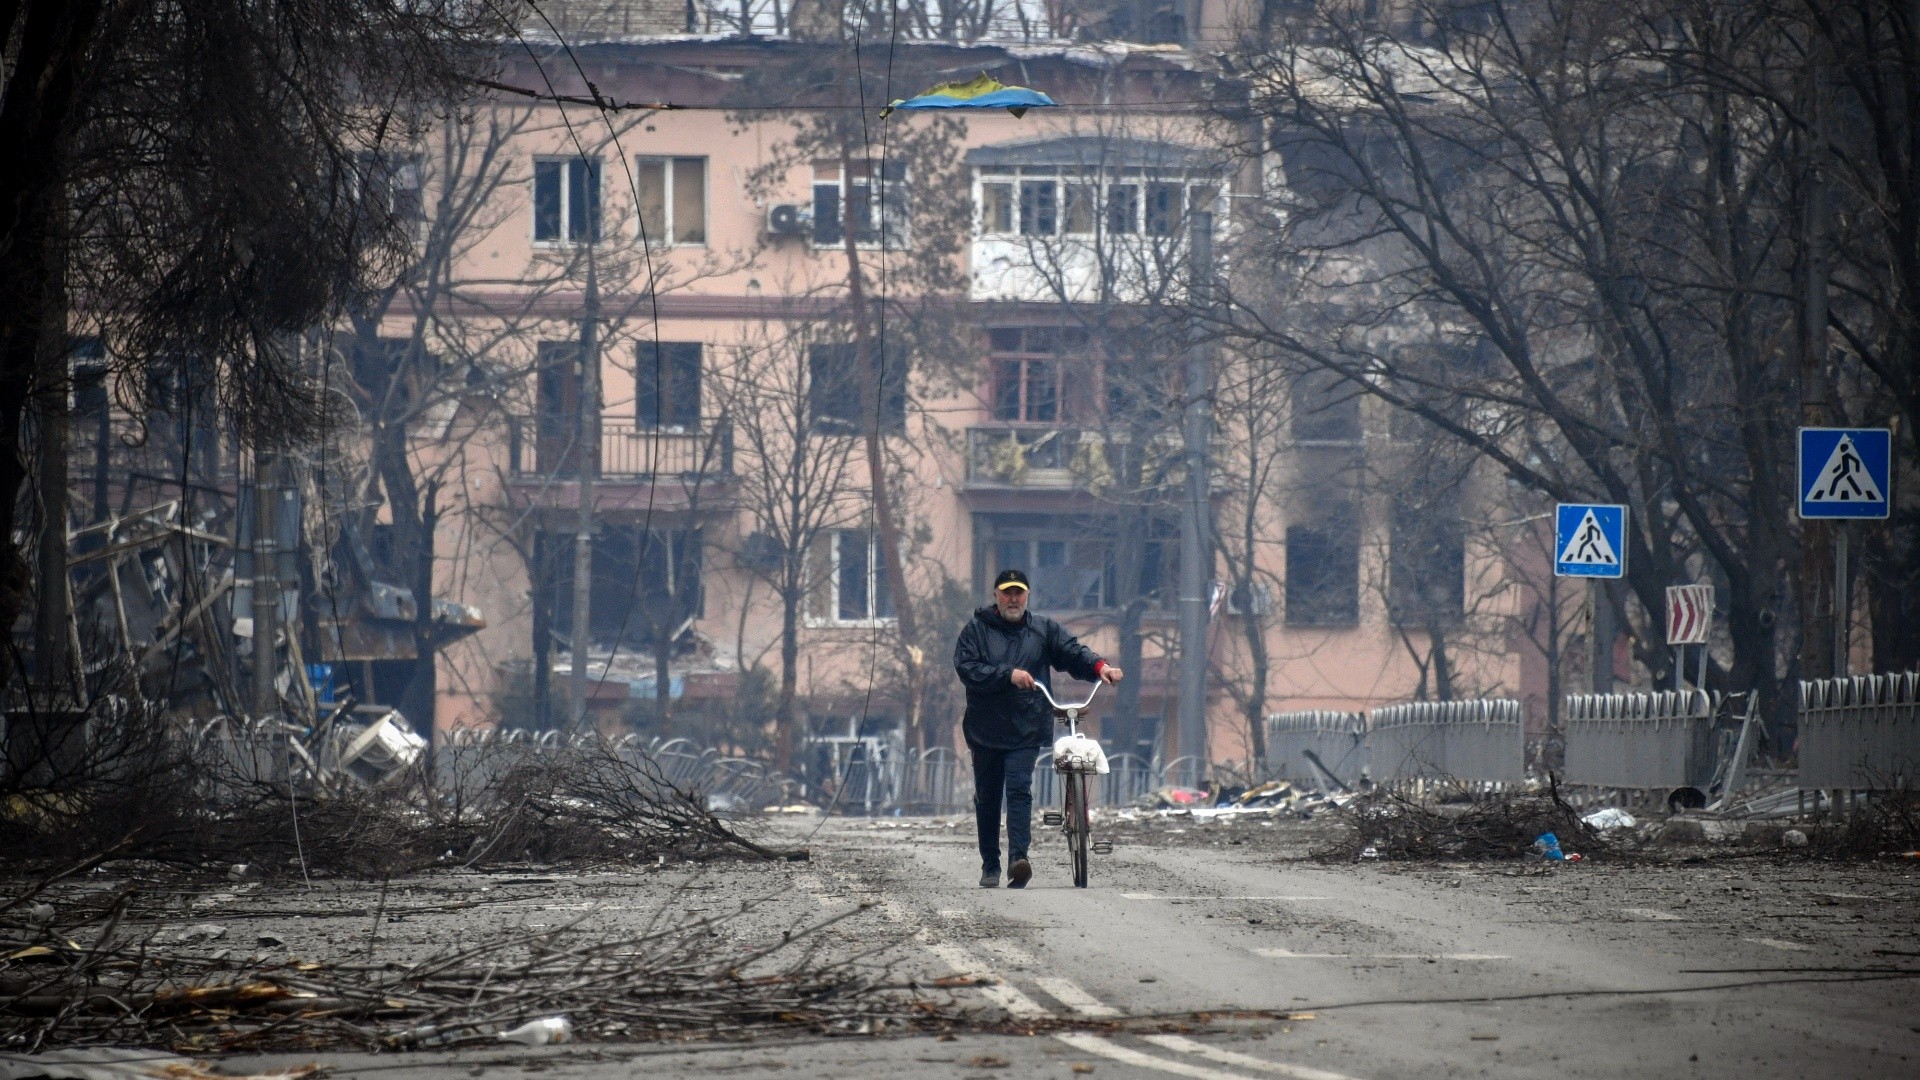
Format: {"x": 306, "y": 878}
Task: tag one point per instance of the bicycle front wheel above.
{"x": 1079, "y": 826}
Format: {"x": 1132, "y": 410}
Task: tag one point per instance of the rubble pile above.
{"x": 1383, "y": 824}
{"x": 1275, "y": 798}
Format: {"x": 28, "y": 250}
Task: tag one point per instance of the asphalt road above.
{"x": 1732, "y": 969}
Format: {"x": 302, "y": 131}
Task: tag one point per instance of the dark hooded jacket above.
{"x": 989, "y": 650}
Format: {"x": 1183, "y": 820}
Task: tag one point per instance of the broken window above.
{"x": 834, "y": 390}
{"x": 1323, "y": 571}
{"x": 1426, "y": 574}
{"x": 1074, "y": 561}
{"x": 644, "y": 581}
{"x": 830, "y": 198}
{"x": 392, "y": 187}
{"x": 1039, "y": 207}
{"x": 996, "y": 208}
{"x": 667, "y": 385}
{"x": 1326, "y": 408}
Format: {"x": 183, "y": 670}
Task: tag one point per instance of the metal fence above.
{"x": 934, "y": 782}
{"x": 1479, "y": 741}
{"x": 1652, "y": 740}
{"x": 1860, "y": 733}
{"x": 1338, "y": 739}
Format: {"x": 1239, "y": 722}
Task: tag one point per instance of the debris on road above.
{"x": 541, "y": 1032}
{"x": 1498, "y": 826}
{"x": 122, "y": 1063}
{"x": 587, "y": 802}
{"x": 105, "y": 978}
{"x": 1611, "y": 817}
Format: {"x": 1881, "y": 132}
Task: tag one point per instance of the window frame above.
{"x": 1068, "y": 362}
{"x": 1159, "y": 566}
{"x": 876, "y": 583}
{"x": 895, "y": 231}
{"x": 1108, "y": 191}
{"x": 1327, "y": 532}
{"x": 596, "y": 215}
{"x": 668, "y": 191}
{"x": 895, "y": 375}
{"x": 667, "y": 424}
{"x": 388, "y": 175}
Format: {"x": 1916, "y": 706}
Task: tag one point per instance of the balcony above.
{"x": 1050, "y": 459}
{"x": 627, "y": 451}
{"x": 636, "y": 468}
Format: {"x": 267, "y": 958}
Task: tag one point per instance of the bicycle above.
{"x": 1076, "y": 819}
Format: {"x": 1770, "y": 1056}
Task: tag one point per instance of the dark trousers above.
{"x": 997, "y": 775}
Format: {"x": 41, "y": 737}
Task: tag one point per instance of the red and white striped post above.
{"x": 1689, "y": 617}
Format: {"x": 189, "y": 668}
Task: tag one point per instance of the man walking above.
{"x": 1004, "y": 653}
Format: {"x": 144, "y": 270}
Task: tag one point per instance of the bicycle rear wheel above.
{"x": 1079, "y": 826}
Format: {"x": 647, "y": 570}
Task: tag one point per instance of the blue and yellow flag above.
{"x": 982, "y": 92}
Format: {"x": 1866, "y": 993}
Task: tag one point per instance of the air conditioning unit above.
{"x": 789, "y": 219}
{"x": 1255, "y": 601}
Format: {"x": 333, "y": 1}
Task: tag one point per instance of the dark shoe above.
{"x": 989, "y": 879}
{"x": 1019, "y": 874}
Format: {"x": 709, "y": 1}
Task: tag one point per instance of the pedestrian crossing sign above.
{"x": 1845, "y": 472}
{"x": 1590, "y": 540}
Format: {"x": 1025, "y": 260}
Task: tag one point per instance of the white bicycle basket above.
{"x": 1079, "y": 754}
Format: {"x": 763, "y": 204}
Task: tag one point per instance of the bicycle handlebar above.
{"x": 1076, "y": 707}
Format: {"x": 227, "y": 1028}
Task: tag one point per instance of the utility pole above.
{"x": 588, "y": 464}
{"x": 1196, "y": 540}
{"x": 266, "y": 590}
{"x": 1820, "y": 545}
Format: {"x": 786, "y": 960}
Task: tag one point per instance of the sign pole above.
{"x": 1702, "y": 683}
{"x": 1603, "y": 636}
{"x": 1846, "y": 475}
{"x": 1679, "y": 667}
{"x": 1842, "y": 606}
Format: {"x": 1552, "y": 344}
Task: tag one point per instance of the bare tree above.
{"x": 188, "y": 172}
{"x": 898, "y": 215}
{"x": 798, "y": 484}
{"x": 1541, "y": 179}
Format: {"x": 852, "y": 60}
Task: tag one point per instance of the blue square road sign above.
{"x": 1590, "y": 540}
{"x": 1845, "y": 472}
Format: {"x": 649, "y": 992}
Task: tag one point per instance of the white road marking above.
{"x": 1650, "y": 913}
{"x": 1246, "y": 1061}
{"x": 1018, "y": 1004}
{"x": 954, "y": 913}
{"x": 1068, "y": 993}
{"x": 993, "y": 987}
{"x": 998, "y": 990}
{"x": 1094, "y": 1044}
{"x": 1283, "y": 954}
{"x": 1157, "y": 896}
{"x": 1776, "y": 943}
